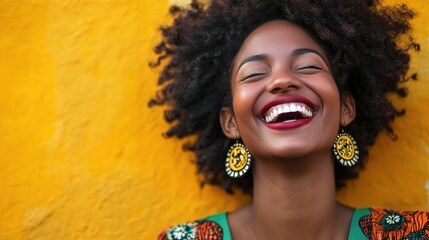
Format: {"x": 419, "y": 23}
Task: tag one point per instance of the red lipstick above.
{"x": 287, "y": 112}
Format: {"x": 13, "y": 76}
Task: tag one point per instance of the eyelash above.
{"x": 250, "y": 75}
{"x": 311, "y": 67}
{"x": 247, "y": 76}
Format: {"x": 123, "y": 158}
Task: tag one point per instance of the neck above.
{"x": 296, "y": 199}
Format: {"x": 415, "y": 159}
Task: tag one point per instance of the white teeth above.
{"x": 286, "y": 109}
{"x": 274, "y": 112}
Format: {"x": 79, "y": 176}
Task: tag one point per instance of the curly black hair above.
{"x": 368, "y": 47}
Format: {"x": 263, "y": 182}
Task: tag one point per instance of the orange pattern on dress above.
{"x": 385, "y": 224}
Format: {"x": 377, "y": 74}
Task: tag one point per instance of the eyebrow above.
{"x": 302, "y": 51}
{"x": 257, "y": 57}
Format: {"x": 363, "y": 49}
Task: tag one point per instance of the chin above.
{"x": 299, "y": 152}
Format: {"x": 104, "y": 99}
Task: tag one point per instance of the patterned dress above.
{"x": 366, "y": 224}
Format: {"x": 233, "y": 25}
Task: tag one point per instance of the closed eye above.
{"x": 310, "y": 67}
{"x": 309, "y": 70}
{"x": 250, "y": 75}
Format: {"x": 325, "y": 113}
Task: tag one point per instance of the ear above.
{"x": 348, "y": 110}
{"x": 229, "y": 123}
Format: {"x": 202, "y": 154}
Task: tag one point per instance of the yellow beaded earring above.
{"x": 345, "y": 149}
{"x": 238, "y": 160}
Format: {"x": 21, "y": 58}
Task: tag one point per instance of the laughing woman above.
{"x": 286, "y": 96}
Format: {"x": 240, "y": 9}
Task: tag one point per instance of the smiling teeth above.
{"x": 274, "y": 112}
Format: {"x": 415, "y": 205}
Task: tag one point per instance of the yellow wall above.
{"x": 81, "y": 155}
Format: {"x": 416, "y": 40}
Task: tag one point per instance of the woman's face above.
{"x": 285, "y": 101}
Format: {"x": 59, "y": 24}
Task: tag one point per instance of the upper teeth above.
{"x": 274, "y": 112}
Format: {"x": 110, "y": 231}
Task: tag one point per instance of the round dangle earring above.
{"x": 238, "y": 160}
{"x": 345, "y": 149}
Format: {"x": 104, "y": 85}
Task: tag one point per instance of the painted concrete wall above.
{"x": 81, "y": 155}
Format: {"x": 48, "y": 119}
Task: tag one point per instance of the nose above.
{"x": 283, "y": 81}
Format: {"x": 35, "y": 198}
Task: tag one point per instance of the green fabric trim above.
{"x": 355, "y": 232}
{"x": 222, "y": 220}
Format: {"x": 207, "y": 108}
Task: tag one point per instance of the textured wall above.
{"x": 81, "y": 155}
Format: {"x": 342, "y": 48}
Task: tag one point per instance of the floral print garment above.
{"x": 367, "y": 224}
{"x": 198, "y": 230}
{"x": 385, "y": 224}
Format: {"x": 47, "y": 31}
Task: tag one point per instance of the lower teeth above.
{"x": 293, "y": 120}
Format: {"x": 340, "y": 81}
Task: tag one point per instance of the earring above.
{"x": 345, "y": 149}
{"x": 238, "y": 160}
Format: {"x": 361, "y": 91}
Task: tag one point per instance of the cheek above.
{"x": 331, "y": 107}
{"x": 244, "y": 96}
{"x": 244, "y": 100}
{"x": 247, "y": 90}
{"x": 333, "y": 99}
{"x": 328, "y": 93}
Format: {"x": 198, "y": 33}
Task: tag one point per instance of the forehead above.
{"x": 277, "y": 37}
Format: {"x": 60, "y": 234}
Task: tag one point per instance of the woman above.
{"x": 293, "y": 93}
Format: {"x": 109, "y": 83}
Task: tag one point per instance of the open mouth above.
{"x": 288, "y": 112}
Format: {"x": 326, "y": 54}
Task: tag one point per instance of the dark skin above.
{"x": 294, "y": 183}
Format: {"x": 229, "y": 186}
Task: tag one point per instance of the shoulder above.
{"x": 213, "y": 227}
{"x": 379, "y": 223}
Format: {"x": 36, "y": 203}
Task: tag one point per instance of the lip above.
{"x": 287, "y": 99}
